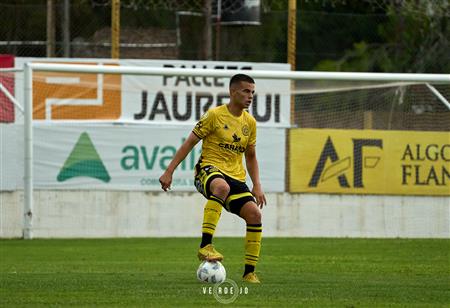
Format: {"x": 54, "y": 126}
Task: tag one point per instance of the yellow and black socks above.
{"x": 252, "y": 246}
{"x": 211, "y": 215}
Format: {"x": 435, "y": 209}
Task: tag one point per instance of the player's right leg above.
{"x": 211, "y": 215}
{"x": 213, "y": 186}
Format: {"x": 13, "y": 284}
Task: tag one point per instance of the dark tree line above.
{"x": 338, "y": 35}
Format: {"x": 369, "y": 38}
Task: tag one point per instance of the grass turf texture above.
{"x": 161, "y": 272}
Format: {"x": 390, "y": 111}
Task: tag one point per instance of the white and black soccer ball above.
{"x": 212, "y": 272}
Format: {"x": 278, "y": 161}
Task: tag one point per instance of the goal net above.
{"x": 98, "y": 127}
{"x": 394, "y": 105}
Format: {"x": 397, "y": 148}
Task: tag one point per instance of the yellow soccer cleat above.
{"x": 251, "y": 278}
{"x": 208, "y": 253}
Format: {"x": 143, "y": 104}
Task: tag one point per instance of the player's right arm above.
{"x": 180, "y": 155}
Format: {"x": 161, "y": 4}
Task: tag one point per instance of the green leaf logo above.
{"x": 84, "y": 161}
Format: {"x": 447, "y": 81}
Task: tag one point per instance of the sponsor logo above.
{"x": 245, "y": 130}
{"x": 140, "y": 157}
{"x": 84, "y": 161}
{"x": 185, "y": 98}
{"x": 426, "y": 164}
{"x": 232, "y": 147}
{"x": 339, "y": 166}
{"x": 236, "y": 138}
{"x": 188, "y": 106}
{"x": 76, "y": 96}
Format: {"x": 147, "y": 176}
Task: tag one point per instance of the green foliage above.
{"x": 264, "y": 43}
{"x": 160, "y": 272}
{"x": 339, "y": 35}
{"x": 414, "y": 38}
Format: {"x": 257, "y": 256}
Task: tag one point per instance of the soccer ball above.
{"x": 212, "y": 272}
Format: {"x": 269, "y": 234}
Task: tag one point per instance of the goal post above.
{"x": 320, "y": 79}
{"x": 262, "y": 74}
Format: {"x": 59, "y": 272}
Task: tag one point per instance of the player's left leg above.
{"x": 241, "y": 202}
{"x": 251, "y": 213}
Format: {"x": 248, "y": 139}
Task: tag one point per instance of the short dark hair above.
{"x": 241, "y": 77}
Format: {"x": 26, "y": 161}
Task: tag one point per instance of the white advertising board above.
{"x": 129, "y": 127}
{"x": 150, "y": 99}
{"x": 11, "y": 157}
{"x": 133, "y": 157}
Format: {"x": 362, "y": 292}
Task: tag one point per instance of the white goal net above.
{"x": 112, "y": 126}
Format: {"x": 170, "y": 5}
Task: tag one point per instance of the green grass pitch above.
{"x": 160, "y": 272}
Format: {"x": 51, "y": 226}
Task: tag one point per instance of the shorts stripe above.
{"x": 239, "y": 193}
{"x": 237, "y": 196}
{"x": 208, "y": 178}
{"x": 218, "y": 200}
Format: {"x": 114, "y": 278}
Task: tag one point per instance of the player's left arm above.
{"x": 253, "y": 171}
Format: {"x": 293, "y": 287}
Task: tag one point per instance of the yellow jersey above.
{"x": 225, "y": 139}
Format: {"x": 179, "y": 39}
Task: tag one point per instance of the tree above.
{"x": 415, "y": 38}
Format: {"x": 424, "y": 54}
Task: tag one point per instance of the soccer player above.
{"x": 228, "y": 132}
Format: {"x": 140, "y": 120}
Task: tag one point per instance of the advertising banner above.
{"x": 150, "y": 99}
{"x": 7, "y": 81}
{"x": 133, "y": 157}
{"x": 369, "y": 162}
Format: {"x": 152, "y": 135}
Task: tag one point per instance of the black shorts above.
{"x": 239, "y": 192}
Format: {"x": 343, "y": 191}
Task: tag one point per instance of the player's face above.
{"x": 242, "y": 94}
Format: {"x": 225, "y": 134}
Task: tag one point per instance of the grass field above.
{"x": 161, "y": 273}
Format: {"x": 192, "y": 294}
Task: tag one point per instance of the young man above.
{"x": 228, "y": 132}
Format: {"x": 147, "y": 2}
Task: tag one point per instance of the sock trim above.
{"x": 217, "y": 199}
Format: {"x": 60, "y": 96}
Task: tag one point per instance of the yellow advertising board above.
{"x": 369, "y": 162}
